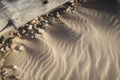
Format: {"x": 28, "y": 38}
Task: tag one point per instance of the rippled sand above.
{"x": 83, "y": 45}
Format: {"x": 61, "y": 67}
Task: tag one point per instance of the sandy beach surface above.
{"x": 80, "y": 45}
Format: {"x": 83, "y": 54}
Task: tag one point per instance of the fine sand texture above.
{"x": 80, "y": 45}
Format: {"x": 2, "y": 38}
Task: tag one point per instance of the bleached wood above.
{"x": 22, "y": 11}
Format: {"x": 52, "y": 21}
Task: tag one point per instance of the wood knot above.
{"x": 45, "y": 2}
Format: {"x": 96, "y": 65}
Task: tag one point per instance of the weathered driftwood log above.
{"x": 19, "y": 12}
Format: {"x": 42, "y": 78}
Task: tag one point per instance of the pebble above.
{"x": 19, "y": 48}
{"x": 58, "y": 15}
{"x": 30, "y": 27}
{"x": 7, "y": 48}
{"x": 40, "y": 30}
{"x": 13, "y": 77}
{"x": 32, "y": 37}
{"x": 8, "y": 76}
{"x": 13, "y": 67}
{"x": 3, "y": 73}
{"x": 2, "y": 49}
{"x": 33, "y": 22}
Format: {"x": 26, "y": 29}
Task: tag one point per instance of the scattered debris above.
{"x": 35, "y": 26}
{"x": 30, "y": 30}
{"x": 13, "y": 77}
{"x": 9, "y": 72}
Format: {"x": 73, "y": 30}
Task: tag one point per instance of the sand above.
{"x": 82, "y": 45}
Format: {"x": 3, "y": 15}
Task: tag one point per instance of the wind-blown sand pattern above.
{"x": 81, "y": 45}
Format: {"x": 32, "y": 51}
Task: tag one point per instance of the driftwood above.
{"x": 18, "y": 12}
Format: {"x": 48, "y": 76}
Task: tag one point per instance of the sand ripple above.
{"x": 83, "y": 45}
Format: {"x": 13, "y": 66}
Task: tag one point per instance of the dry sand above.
{"x": 83, "y": 45}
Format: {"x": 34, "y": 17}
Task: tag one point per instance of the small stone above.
{"x": 23, "y": 31}
{"x": 51, "y": 15}
{"x": 33, "y": 37}
{"x": 13, "y": 67}
{"x": 21, "y": 48}
{"x": 31, "y": 32}
{"x": 3, "y": 72}
{"x": 58, "y": 15}
{"x": 42, "y": 23}
{"x": 46, "y": 21}
{"x": 42, "y": 18}
{"x": 35, "y": 26}
{"x": 40, "y": 30}
{"x": 30, "y": 27}
{"x": 36, "y": 18}
{"x": 13, "y": 77}
{"x": 38, "y": 26}
{"x": 18, "y": 34}
{"x": 8, "y": 41}
{"x": 69, "y": 9}
{"x": 7, "y": 48}
{"x": 33, "y": 22}
{"x": 15, "y": 40}
{"x": 2, "y": 49}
